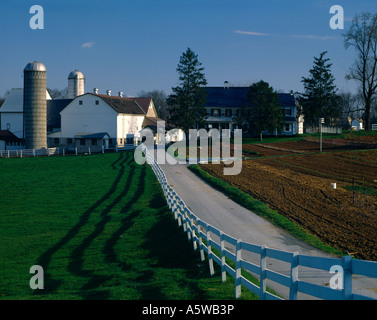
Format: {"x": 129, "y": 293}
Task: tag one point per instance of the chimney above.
{"x": 226, "y": 85}
{"x": 120, "y": 94}
{"x": 95, "y": 90}
{"x": 108, "y": 92}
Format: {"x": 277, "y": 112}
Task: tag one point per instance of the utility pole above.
{"x": 321, "y": 121}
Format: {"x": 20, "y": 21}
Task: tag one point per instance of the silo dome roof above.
{"x": 76, "y": 74}
{"x": 35, "y": 66}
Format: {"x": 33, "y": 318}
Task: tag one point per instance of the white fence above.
{"x": 325, "y": 129}
{"x": 31, "y": 152}
{"x": 205, "y": 237}
{"x": 58, "y": 151}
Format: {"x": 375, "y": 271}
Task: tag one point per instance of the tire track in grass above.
{"x": 45, "y": 259}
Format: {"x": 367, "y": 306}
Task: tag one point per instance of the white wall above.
{"x": 16, "y": 122}
{"x": 88, "y": 117}
{"x": 128, "y": 124}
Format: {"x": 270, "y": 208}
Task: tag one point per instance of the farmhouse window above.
{"x": 287, "y": 127}
{"x": 228, "y": 112}
{"x": 288, "y": 112}
{"x": 216, "y": 112}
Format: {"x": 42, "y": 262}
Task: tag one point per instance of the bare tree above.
{"x": 362, "y": 35}
{"x": 159, "y": 99}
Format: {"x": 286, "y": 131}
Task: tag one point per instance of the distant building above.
{"x": 357, "y": 124}
{"x": 224, "y": 105}
{"x": 8, "y": 141}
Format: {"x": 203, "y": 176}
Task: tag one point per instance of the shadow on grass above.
{"x": 168, "y": 246}
{"x": 77, "y": 257}
{"x": 45, "y": 259}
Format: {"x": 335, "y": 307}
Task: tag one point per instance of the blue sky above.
{"x": 135, "y": 45}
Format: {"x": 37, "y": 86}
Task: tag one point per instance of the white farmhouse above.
{"x": 96, "y": 120}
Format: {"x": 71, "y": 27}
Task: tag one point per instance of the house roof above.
{"x": 121, "y": 104}
{"x": 53, "y": 112}
{"x": 8, "y": 136}
{"x": 99, "y": 135}
{"x": 233, "y": 97}
{"x": 151, "y": 122}
{"x": 14, "y": 102}
{"x": 143, "y": 102}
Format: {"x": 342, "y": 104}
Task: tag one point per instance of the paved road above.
{"x": 224, "y": 214}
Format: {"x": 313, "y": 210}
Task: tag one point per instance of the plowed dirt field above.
{"x": 299, "y": 186}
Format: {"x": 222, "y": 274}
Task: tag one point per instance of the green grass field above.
{"x": 100, "y": 228}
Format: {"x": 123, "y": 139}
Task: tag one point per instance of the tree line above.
{"x": 320, "y": 99}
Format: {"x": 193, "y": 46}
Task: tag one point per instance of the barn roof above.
{"x": 235, "y": 97}
{"x": 8, "y": 136}
{"x": 53, "y": 112}
{"x": 121, "y": 104}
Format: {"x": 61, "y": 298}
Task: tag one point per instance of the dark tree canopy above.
{"x": 319, "y": 99}
{"x": 263, "y": 110}
{"x": 186, "y": 103}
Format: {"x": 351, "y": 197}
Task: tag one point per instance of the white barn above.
{"x": 96, "y": 120}
{"x": 12, "y": 112}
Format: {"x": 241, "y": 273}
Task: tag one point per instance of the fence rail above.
{"x": 205, "y": 238}
{"x": 19, "y": 153}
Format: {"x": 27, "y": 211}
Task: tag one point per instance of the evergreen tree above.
{"x": 186, "y": 103}
{"x": 263, "y": 111}
{"x": 320, "y": 99}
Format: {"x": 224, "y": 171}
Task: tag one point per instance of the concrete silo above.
{"x": 35, "y": 106}
{"x": 76, "y": 84}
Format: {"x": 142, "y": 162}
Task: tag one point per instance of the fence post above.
{"x": 210, "y": 260}
{"x": 89, "y": 151}
{"x": 21, "y": 153}
{"x": 8, "y": 153}
{"x": 34, "y": 153}
{"x": 222, "y": 246}
{"x": 202, "y": 258}
{"x": 347, "y": 277}
{"x": 188, "y": 224}
{"x": 262, "y": 275}
{"x": 294, "y": 277}
{"x": 76, "y": 151}
{"x": 63, "y": 151}
{"x": 238, "y": 270}
{"x": 48, "y": 152}
{"x": 194, "y": 241}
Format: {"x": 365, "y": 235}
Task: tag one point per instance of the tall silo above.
{"x": 76, "y": 84}
{"x": 35, "y": 106}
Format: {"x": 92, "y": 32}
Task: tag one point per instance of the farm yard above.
{"x": 100, "y": 228}
{"x": 294, "y": 179}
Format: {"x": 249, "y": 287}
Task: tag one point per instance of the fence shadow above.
{"x": 45, "y": 259}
